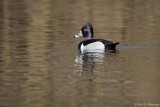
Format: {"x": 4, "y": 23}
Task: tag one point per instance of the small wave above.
{"x": 135, "y": 47}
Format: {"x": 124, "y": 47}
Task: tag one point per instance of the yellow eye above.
{"x": 84, "y": 29}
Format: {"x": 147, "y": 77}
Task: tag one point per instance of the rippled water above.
{"x": 40, "y": 66}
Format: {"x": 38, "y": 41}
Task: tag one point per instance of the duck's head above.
{"x": 86, "y": 31}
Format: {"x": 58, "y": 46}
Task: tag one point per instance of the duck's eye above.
{"x": 85, "y": 30}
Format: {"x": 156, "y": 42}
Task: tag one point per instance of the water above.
{"x": 40, "y": 66}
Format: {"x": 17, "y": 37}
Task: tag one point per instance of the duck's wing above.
{"x": 109, "y": 45}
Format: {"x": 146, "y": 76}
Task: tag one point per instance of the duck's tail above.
{"x": 112, "y": 46}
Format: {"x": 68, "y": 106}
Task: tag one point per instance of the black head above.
{"x": 87, "y": 31}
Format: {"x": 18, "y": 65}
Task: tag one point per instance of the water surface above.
{"x": 40, "y": 66}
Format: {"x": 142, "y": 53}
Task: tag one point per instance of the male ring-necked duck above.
{"x": 93, "y": 45}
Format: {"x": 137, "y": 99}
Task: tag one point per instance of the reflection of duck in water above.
{"x": 93, "y": 45}
{"x": 87, "y": 60}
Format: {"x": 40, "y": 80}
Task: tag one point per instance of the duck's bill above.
{"x": 78, "y": 35}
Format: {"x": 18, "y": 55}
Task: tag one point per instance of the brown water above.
{"x": 41, "y": 67}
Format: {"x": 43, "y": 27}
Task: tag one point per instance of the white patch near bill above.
{"x": 79, "y": 34}
{"x": 93, "y": 47}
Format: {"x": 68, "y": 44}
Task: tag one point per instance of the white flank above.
{"x": 93, "y": 47}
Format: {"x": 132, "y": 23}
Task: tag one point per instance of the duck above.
{"x": 93, "y": 45}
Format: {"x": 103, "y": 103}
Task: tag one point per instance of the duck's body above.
{"x": 97, "y": 45}
{"x": 93, "y": 45}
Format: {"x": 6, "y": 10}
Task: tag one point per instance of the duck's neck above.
{"x": 90, "y": 36}
{"x": 87, "y": 38}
